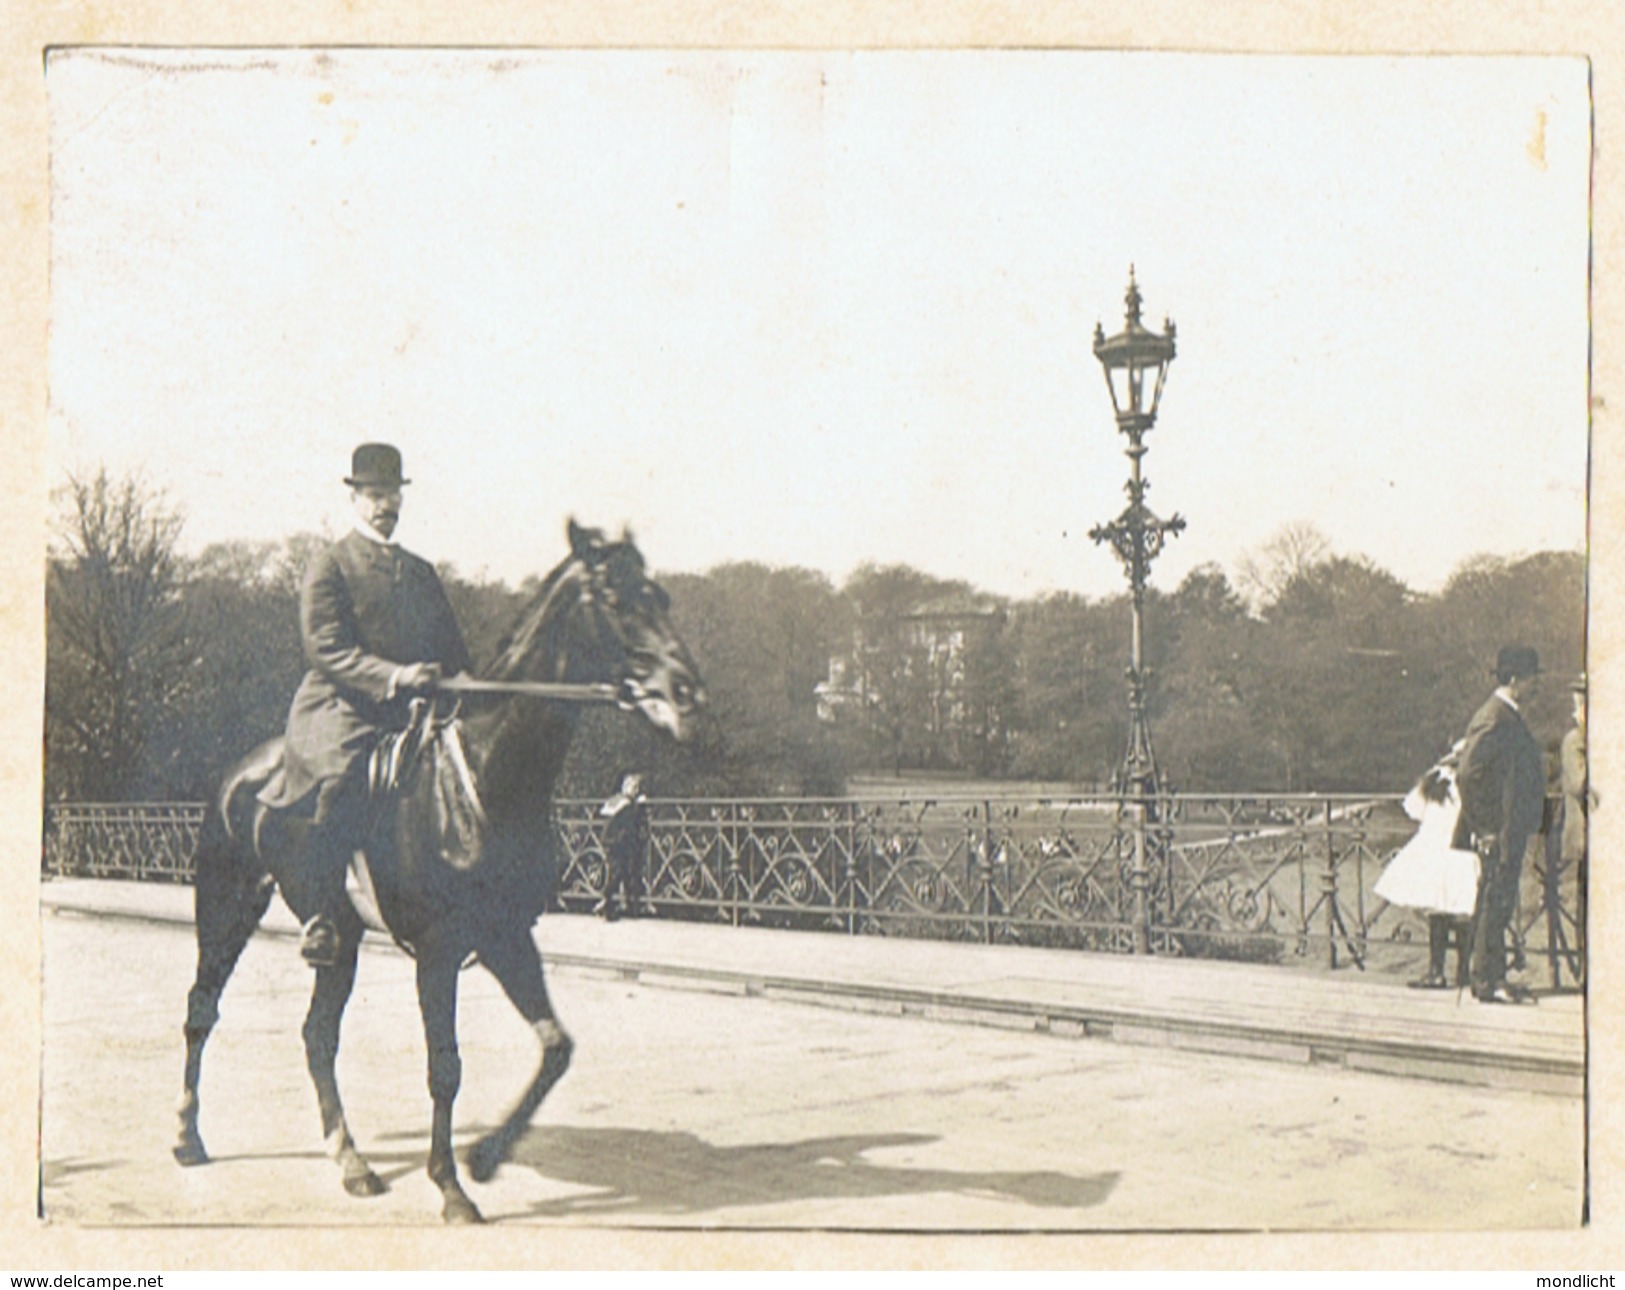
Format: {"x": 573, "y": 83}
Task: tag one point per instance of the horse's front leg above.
{"x": 332, "y": 992}
{"x": 437, "y": 997}
{"x": 510, "y": 955}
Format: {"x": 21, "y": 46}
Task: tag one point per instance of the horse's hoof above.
{"x": 485, "y": 1157}
{"x": 367, "y": 1184}
{"x": 189, "y": 1152}
{"x": 459, "y": 1209}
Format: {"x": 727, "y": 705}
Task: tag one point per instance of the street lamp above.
{"x": 1136, "y": 365}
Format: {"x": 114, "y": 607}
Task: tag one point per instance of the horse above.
{"x": 597, "y": 620}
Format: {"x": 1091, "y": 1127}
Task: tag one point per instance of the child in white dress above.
{"x": 1430, "y": 874}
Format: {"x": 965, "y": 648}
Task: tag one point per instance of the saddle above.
{"x": 432, "y": 745}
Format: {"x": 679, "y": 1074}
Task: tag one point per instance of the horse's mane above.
{"x": 560, "y": 593}
{"x": 519, "y": 643}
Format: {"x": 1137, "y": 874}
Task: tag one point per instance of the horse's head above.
{"x": 601, "y": 618}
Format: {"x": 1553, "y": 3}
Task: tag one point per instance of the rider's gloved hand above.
{"x": 418, "y": 678}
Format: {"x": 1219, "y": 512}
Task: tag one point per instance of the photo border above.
{"x": 1592, "y": 30}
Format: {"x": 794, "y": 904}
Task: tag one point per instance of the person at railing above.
{"x": 377, "y": 628}
{"x": 626, "y": 839}
{"x": 1502, "y": 781}
{"x": 1579, "y": 798}
{"x": 1432, "y": 874}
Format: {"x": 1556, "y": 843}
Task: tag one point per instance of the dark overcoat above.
{"x": 626, "y": 833}
{"x": 1502, "y": 781}
{"x": 1501, "y": 778}
{"x": 365, "y": 610}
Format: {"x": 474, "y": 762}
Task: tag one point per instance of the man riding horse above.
{"x": 377, "y": 630}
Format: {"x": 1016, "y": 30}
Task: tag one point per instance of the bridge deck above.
{"x": 1346, "y": 1018}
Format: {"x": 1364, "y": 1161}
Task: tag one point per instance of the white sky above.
{"x": 817, "y": 308}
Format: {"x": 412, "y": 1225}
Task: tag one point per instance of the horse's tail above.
{"x": 229, "y": 844}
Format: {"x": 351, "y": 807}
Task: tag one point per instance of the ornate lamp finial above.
{"x": 1131, "y": 298}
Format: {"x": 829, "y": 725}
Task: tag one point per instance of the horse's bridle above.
{"x": 597, "y": 594}
{"x": 592, "y": 594}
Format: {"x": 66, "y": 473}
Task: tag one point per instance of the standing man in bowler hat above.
{"x": 1502, "y": 782}
{"x": 377, "y": 630}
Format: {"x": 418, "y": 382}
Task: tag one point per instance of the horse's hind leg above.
{"x": 512, "y": 958}
{"x": 327, "y": 1000}
{"x": 230, "y": 901}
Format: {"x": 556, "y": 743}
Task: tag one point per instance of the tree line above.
{"x": 1305, "y": 670}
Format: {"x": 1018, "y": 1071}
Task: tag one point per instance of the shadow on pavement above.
{"x": 52, "y": 1172}
{"x": 642, "y": 1171}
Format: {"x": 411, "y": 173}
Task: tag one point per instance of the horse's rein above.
{"x": 561, "y": 691}
{"x": 564, "y": 691}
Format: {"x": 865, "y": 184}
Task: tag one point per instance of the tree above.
{"x": 485, "y": 609}
{"x": 161, "y": 670}
{"x": 117, "y": 653}
{"x": 1204, "y": 731}
{"x": 1207, "y": 596}
{"x": 240, "y": 603}
{"x": 989, "y": 700}
{"x": 1361, "y": 599}
{"x": 762, "y": 638}
{"x": 1067, "y": 657}
{"x": 1491, "y": 601}
{"x": 1333, "y": 700}
{"x": 1262, "y": 575}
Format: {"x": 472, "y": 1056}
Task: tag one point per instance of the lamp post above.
{"x": 1136, "y": 365}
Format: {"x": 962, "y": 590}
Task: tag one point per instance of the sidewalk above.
{"x": 1346, "y": 1019}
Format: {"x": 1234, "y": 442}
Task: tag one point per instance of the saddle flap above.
{"x": 459, "y": 816}
{"x": 446, "y": 804}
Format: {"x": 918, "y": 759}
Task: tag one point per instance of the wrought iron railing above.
{"x": 146, "y": 840}
{"x": 1284, "y": 879}
{"x": 1279, "y": 879}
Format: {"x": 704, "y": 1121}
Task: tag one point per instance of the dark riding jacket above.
{"x": 366, "y": 610}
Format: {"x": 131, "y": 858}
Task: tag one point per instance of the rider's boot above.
{"x": 328, "y": 859}
{"x": 335, "y": 833}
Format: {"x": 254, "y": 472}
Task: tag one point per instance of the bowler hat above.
{"x": 1517, "y": 660}
{"x": 376, "y": 463}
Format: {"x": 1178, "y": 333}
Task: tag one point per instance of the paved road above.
{"x": 692, "y": 1109}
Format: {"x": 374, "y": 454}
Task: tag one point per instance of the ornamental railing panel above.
{"x": 146, "y": 840}
{"x": 1271, "y": 878}
{"x": 1285, "y": 879}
